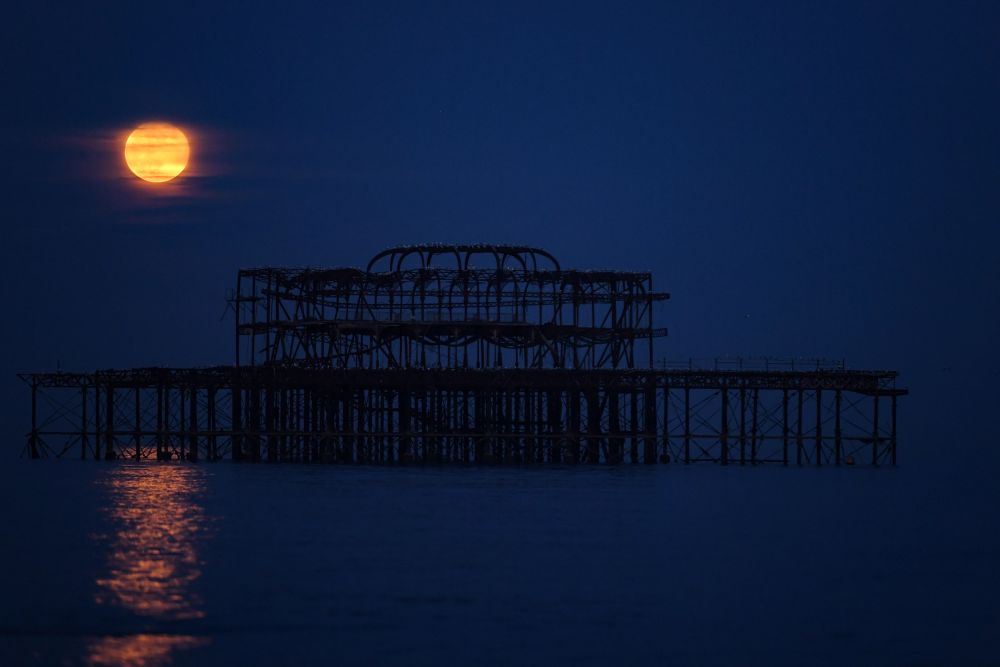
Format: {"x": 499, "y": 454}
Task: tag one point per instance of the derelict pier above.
{"x": 462, "y": 354}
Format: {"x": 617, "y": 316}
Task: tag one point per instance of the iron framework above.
{"x": 462, "y": 354}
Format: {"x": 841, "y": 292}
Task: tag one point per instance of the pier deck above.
{"x": 803, "y": 417}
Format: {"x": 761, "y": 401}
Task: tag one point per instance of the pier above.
{"x": 463, "y": 354}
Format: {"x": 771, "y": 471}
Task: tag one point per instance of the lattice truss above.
{"x": 137, "y": 414}
{"x": 472, "y": 306}
{"x": 510, "y": 416}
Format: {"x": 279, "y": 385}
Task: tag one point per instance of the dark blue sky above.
{"x": 805, "y": 180}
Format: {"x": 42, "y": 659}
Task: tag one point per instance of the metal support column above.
{"x": 137, "y": 426}
{"x": 875, "y": 430}
{"x": 649, "y": 423}
{"x": 743, "y": 423}
{"x": 724, "y": 427}
{"x": 33, "y": 441}
{"x": 784, "y": 425}
{"x": 837, "y": 436}
{"x": 687, "y": 423}
{"x": 109, "y": 447}
{"x": 193, "y": 425}
{"x": 798, "y": 431}
{"x": 819, "y": 426}
{"x": 892, "y": 431}
{"x": 84, "y": 444}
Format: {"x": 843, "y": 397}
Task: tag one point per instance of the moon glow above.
{"x": 157, "y": 152}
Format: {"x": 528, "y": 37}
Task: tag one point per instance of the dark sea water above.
{"x": 176, "y": 564}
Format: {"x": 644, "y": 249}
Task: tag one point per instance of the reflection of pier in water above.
{"x": 152, "y": 561}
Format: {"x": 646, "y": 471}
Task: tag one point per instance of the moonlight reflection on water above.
{"x": 152, "y": 561}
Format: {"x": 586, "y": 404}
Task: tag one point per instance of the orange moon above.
{"x": 157, "y": 152}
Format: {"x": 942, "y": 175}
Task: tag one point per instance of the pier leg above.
{"x": 273, "y": 450}
{"x": 573, "y": 451}
{"x": 798, "y": 432}
{"x": 617, "y": 449}
{"x": 181, "y": 425}
{"x": 285, "y": 452}
{"x": 236, "y": 425}
{"x": 97, "y": 422}
{"x": 784, "y": 425}
{"x": 687, "y": 424}
{"x": 892, "y": 432}
{"x": 593, "y": 426}
{"x": 837, "y": 442}
{"x": 159, "y": 422}
{"x": 666, "y": 423}
{"x": 83, "y": 424}
{"x": 349, "y": 440}
{"x": 213, "y": 453}
{"x": 33, "y": 440}
{"x": 532, "y": 427}
{"x": 516, "y": 440}
{"x": 137, "y": 426}
{"x": 634, "y": 426}
{"x": 875, "y": 431}
{"x": 405, "y": 455}
{"x": 109, "y": 447}
{"x": 539, "y": 426}
{"x": 255, "y": 421}
{"x": 360, "y": 416}
{"x": 193, "y": 426}
{"x": 743, "y": 424}
{"x": 555, "y": 426}
{"x": 649, "y": 422}
{"x": 819, "y": 427}
{"x": 724, "y": 427}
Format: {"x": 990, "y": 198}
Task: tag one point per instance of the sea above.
{"x": 156, "y": 564}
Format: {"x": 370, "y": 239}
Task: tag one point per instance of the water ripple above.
{"x": 152, "y": 562}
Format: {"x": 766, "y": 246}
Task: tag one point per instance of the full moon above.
{"x": 157, "y": 152}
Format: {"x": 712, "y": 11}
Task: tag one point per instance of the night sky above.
{"x": 804, "y": 179}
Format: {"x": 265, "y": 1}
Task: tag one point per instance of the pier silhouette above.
{"x": 463, "y": 354}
